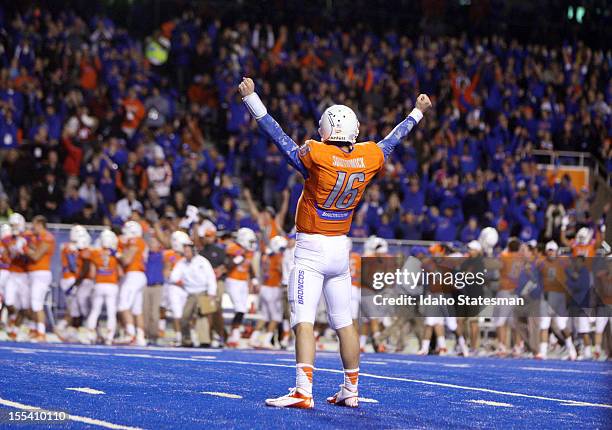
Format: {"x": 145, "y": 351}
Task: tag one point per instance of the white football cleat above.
{"x": 297, "y": 398}
{"x": 344, "y": 397}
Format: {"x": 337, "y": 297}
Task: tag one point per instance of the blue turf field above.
{"x": 157, "y": 388}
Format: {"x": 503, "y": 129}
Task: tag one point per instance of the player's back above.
{"x": 107, "y": 266}
{"x": 336, "y": 182}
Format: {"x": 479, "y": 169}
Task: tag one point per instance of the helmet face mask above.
{"x": 339, "y": 124}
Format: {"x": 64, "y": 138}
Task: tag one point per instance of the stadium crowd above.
{"x": 96, "y": 123}
{"x": 148, "y": 137}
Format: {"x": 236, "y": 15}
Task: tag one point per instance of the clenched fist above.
{"x": 422, "y": 103}
{"x": 247, "y": 87}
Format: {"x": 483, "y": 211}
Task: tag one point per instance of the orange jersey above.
{"x": 512, "y": 264}
{"x": 335, "y": 184}
{"x": 44, "y": 262}
{"x": 355, "y": 265}
{"x": 4, "y": 257}
{"x": 17, "y": 260}
{"x": 140, "y": 257}
{"x": 83, "y": 256}
{"x": 587, "y": 250}
{"x": 106, "y": 264}
{"x": 241, "y": 271}
{"x": 272, "y": 269}
{"x": 553, "y": 275}
{"x": 170, "y": 258}
{"x": 69, "y": 255}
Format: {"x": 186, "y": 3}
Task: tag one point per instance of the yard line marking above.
{"x": 77, "y": 418}
{"x": 490, "y": 403}
{"x": 378, "y": 363}
{"x": 492, "y": 366}
{"x": 371, "y": 375}
{"x": 219, "y": 394}
{"x": 366, "y": 400}
{"x": 86, "y": 390}
{"x": 206, "y": 357}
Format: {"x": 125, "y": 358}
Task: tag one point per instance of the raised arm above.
{"x": 403, "y": 128}
{"x": 284, "y": 143}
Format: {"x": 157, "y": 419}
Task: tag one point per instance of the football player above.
{"x": 555, "y": 294}
{"x": 133, "y": 256}
{"x": 106, "y": 272}
{"x": 270, "y": 294}
{"x": 68, "y": 255}
{"x": 40, "y": 250}
{"x": 336, "y": 171}
{"x": 176, "y": 296}
{"x": 16, "y": 290}
{"x": 5, "y": 233}
{"x": 240, "y": 274}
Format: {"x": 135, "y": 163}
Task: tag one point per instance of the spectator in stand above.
{"x": 127, "y": 205}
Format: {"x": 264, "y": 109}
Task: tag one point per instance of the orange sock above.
{"x": 303, "y": 376}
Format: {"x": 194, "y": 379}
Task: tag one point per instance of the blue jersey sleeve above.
{"x": 397, "y": 134}
{"x": 284, "y": 143}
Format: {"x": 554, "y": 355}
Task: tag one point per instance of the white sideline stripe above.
{"x": 77, "y": 418}
{"x": 219, "y": 394}
{"x": 489, "y": 403}
{"x": 366, "y": 400}
{"x": 86, "y": 390}
{"x": 205, "y": 357}
{"x": 370, "y": 375}
{"x": 492, "y": 366}
{"x": 378, "y": 363}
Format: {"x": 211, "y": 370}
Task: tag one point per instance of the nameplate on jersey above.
{"x": 330, "y": 215}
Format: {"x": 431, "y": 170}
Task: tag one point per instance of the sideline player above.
{"x": 555, "y": 292}
{"x": 16, "y": 290}
{"x": 336, "y": 171}
{"x": 5, "y": 233}
{"x": 240, "y": 271}
{"x": 270, "y": 294}
{"x": 39, "y": 252}
{"x": 107, "y": 271}
{"x": 133, "y": 256}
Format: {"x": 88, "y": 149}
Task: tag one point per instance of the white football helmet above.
{"x": 382, "y": 246}
{"x": 178, "y": 240}
{"x": 83, "y": 239}
{"x": 339, "y": 124}
{"x": 246, "y": 238}
{"x": 75, "y": 230}
{"x": 488, "y": 238}
{"x": 584, "y": 236}
{"x": 369, "y": 245}
{"x": 5, "y": 231}
{"x": 108, "y": 239}
{"x": 277, "y": 244}
{"x": 17, "y": 223}
{"x": 131, "y": 230}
